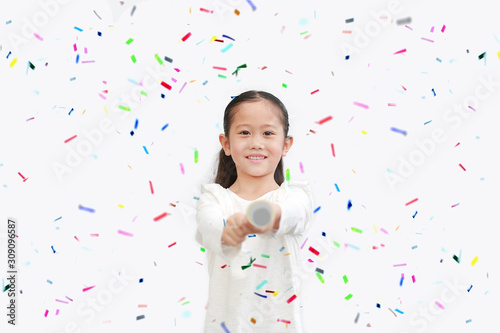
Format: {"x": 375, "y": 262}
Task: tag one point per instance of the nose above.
{"x": 256, "y": 142}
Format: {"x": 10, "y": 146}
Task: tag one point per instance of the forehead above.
{"x": 257, "y": 112}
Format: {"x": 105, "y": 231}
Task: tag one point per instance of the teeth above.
{"x": 256, "y": 158}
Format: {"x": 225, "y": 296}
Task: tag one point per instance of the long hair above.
{"x": 226, "y": 170}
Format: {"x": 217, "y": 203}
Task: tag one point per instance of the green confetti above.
{"x": 134, "y": 60}
{"x": 348, "y": 297}
{"x": 185, "y": 303}
{"x": 126, "y": 108}
{"x": 144, "y": 93}
{"x": 336, "y": 244}
{"x": 456, "y": 258}
{"x": 157, "y": 57}
{"x": 31, "y": 65}
{"x": 249, "y": 265}
{"x": 287, "y": 175}
{"x": 481, "y": 56}
{"x": 222, "y": 76}
{"x": 195, "y": 156}
{"x": 130, "y": 40}
{"x": 345, "y": 279}
{"x": 265, "y": 255}
{"x": 6, "y": 288}
{"x": 202, "y": 249}
{"x": 303, "y": 33}
{"x": 320, "y": 277}
{"x": 284, "y": 85}
{"x": 357, "y": 230}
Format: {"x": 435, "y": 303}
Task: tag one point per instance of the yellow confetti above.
{"x": 13, "y": 62}
{"x": 121, "y": 206}
{"x": 498, "y": 54}
{"x": 364, "y": 132}
{"x": 276, "y": 292}
{"x": 474, "y": 261}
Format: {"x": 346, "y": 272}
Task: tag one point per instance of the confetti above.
{"x": 87, "y": 288}
{"x": 357, "y": 230}
{"x": 186, "y": 37}
{"x": 166, "y": 85}
{"x": 125, "y": 233}
{"x": 90, "y": 210}
{"x": 284, "y": 321}
{"x": 223, "y": 325}
{"x": 195, "y": 156}
{"x": 320, "y": 277}
{"x": 172, "y": 244}
{"x": 410, "y": 202}
{"x": 182, "y": 168}
{"x": 159, "y": 217}
{"x": 254, "y": 8}
{"x": 349, "y": 205}
{"x": 348, "y": 297}
{"x": 313, "y": 250}
{"x": 397, "y": 130}
{"x": 315, "y": 91}
{"x": 261, "y": 284}
{"x": 291, "y": 298}
{"x": 324, "y": 120}
{"x": 141, "y": 316}
{"x": 400, "y": 51}
{"x": 364, "y": 106}
{"x": 474, "y": 261}
{"x": 317, "y": 209}
{"x": 345, "y": 279}
{"x": 287, "y": 173}
{"x": 462, "y": 167}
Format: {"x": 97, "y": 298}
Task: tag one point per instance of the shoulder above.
{"x": 212, "y": 188}
{"x": 296, "y": 185}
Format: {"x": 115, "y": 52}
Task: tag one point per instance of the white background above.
{"x": 302, "y": 45}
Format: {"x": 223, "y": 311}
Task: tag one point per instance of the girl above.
{"x": 253, "y": 272}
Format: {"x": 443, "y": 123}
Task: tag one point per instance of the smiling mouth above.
{"x": 256, "y": 157}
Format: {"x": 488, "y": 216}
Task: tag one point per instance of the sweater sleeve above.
{"x": 210, "y": 221}
{"x": 296, "y": 209}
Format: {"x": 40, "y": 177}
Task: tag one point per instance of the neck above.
{"x": 254, "y": 186}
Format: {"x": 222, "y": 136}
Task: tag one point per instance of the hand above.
{"x": 238, "y": 227}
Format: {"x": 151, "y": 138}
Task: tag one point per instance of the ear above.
{"x": 224, "y": 142}
{"x": 288, "y": 144}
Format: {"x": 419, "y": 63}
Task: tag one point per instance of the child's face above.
{"x": 256, "y": 130}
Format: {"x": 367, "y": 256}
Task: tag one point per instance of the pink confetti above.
{"x": 88, "y": 288}
{"x": 442, "y": 29}
{"x": 260, "y": 266}
{"x": 125, "y": 233}
{"x": 427, "y": 39}
{"x": 38, "y": 36}
{"x": 400, "y": 51}
{"x": 440, "y": 305}
{"x": 333, "y": 150}
{"x": 301, "y": 167}
{"x": 151, "y": 187}
{"x": 182, "y": 167}
{"x": 46, "y": 313}
{"x": 364, "y": 106}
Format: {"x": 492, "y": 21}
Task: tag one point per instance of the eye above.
{"x": 244, "y": 132}
{"x": 268, "y": 133}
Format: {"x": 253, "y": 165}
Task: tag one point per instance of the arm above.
{"x": 210, "y": 220}
{"x": 295, "y": 210}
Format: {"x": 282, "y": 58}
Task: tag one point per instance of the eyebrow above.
{"x": 262, "y": 126}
